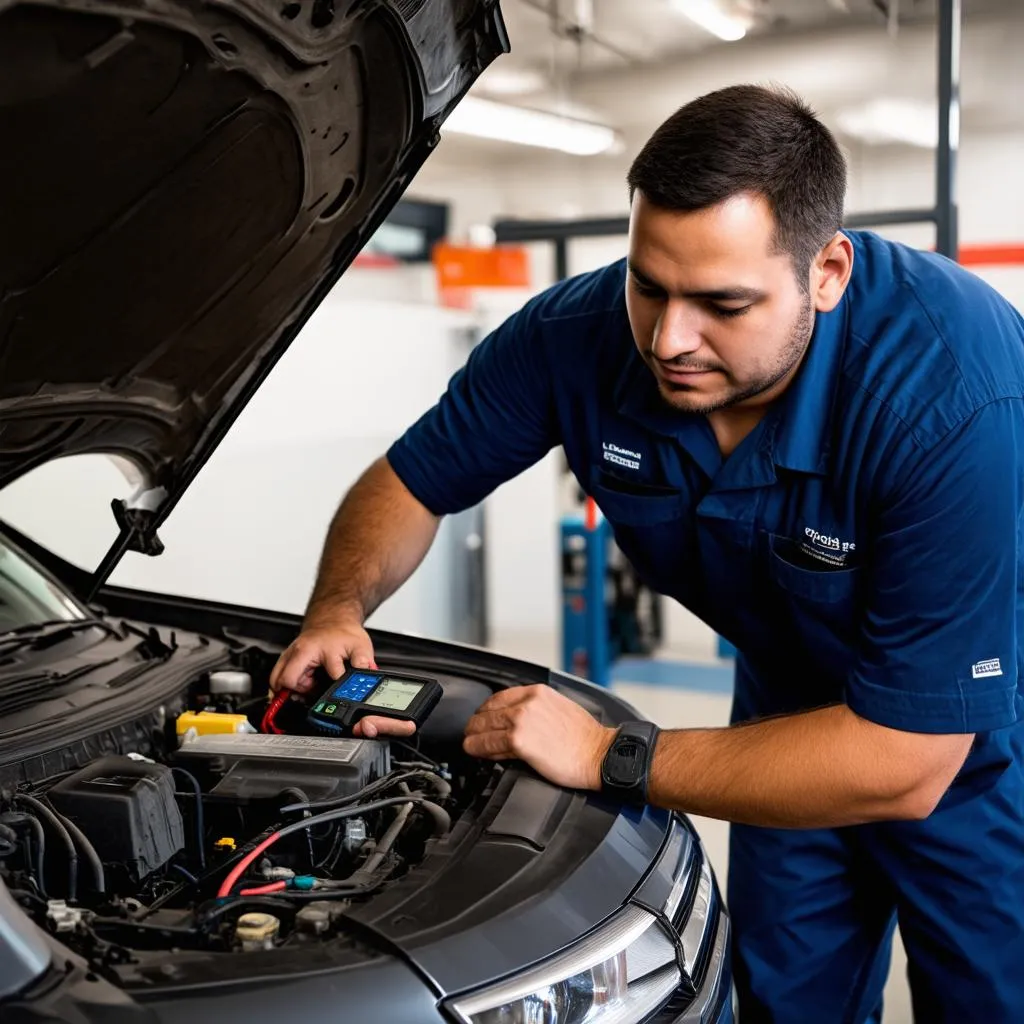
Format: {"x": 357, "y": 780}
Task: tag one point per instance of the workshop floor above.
{"x": 676, "y": 694}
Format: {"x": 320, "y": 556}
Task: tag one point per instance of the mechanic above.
{"x": 813, "y": 439}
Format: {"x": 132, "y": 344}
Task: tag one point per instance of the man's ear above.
{"x": 830, "y": 273}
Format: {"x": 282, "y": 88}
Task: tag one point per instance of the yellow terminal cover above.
{"x": 208, "y": 723}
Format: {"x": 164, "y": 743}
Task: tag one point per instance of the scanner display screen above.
{"x": 373, "y": 691}
{"x": 394, "y": 694}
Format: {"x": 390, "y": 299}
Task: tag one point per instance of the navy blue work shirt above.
{"x": 862, "y": 545}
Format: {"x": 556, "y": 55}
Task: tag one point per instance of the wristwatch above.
{"x": 627, "y": 765}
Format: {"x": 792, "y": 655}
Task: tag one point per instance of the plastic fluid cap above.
{"x": 225, "y": 843}
{"x": 232, "y": 682}
{"x": 257, "y": 931}
{"x": 206, "y": 723}
{"x": 312, "y": 918}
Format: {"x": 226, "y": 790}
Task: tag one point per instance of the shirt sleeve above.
{"x": 938, "y": 650}
{"x": 495, "y": 420}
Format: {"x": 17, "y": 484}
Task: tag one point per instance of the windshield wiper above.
{"x": 38, "y": 633}
{"x": 19, "y": 693}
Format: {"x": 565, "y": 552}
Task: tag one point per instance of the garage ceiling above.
{"x": 630, "y": 63}
{"x": 589, "y": 35}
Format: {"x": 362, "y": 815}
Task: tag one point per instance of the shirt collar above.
{"x": 800, "y": 427}
{"x": 636, "y": 397}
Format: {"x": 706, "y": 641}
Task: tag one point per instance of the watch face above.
{"x": 626, "y": 764}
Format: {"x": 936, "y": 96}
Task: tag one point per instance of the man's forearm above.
{"x": 820, "y": 769}
{"x": 377, "y": 539}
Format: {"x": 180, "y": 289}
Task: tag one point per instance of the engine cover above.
{"x": 244, "y": 767}
{"x": 127, "y": 810}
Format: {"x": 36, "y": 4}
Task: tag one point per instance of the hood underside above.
{"x": 181, "y": 183}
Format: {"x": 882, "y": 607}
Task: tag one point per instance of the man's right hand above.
{"x": 334, "y": 646}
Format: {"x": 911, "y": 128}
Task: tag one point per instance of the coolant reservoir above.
{"x": 230, "y": 683}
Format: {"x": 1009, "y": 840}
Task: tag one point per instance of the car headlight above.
{"x": 666, "y": 951}
{"x": 616, "y": 975}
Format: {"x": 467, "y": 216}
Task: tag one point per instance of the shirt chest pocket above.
{"x": 820, "y": 603}
{"x": 652, "y": 525}
{"x": 799, "y": 578}
{"x": 635, "y": 503}
{"x": 815, "y": 608}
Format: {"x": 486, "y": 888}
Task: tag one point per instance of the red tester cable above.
{"x": 268, "y": 724}
{"x": 263, "y": 890}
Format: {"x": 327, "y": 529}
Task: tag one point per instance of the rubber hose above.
{"x": 200, "y": 828}
{"x": 40, "y": 808}
{"x": 8, "y": 840}
{"x": 365, "y": 873}
{"x": 377, "y": 786}
{"x": 40, "y": 836}
{"x": 303, "y": 796}
{"x": 99, "y": 876}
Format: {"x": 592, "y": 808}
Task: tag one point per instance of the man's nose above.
{"x": 677, "y": 333}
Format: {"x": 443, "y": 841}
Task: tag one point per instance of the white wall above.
{"x": 522, "y": 551}
{"x": 989, "y": 194}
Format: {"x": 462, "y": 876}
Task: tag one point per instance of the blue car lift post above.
{"x": 586, "y": 650}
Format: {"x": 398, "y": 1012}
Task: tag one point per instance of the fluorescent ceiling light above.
{"x": 708, "y": 14}
{"x": 502, "y": 80}
{"x": 882, "y": 121}
{"x": 489, "y": 120}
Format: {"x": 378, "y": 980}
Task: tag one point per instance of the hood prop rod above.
{"x": 137, "y": 532}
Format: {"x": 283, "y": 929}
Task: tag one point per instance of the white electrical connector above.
{"x": 64, "y": 918}
{"x": 355, "y": 834}
{"x": 275, "y": 874}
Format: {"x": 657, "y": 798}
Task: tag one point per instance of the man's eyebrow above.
{"x": 734, "y": 294}
{"x": 642, "y": 278}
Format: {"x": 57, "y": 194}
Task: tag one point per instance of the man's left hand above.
{"x": 552, "y": 734}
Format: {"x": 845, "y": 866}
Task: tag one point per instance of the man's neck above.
{"x": 731, "y": 426}
{"x": 733, "y": 423}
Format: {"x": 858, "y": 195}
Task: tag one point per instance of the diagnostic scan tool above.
{"x": 361, "y": 692}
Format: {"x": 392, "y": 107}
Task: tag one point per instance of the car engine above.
{"x": 212, "y": 836}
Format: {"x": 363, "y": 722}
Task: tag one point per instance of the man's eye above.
{"x": 647, "y": 291}
{"x": 727, "y": 312}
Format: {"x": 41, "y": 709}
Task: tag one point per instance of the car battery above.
{"x": 242, "y": 767}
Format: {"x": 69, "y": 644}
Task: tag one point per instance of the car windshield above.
{"x": 27, "y": 597}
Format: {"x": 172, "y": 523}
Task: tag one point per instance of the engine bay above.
{"x": 196, "y": 832}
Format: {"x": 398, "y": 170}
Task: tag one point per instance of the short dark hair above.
{"x": 749, "y": 138}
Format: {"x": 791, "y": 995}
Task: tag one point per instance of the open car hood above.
{"x": 181, "y": 183}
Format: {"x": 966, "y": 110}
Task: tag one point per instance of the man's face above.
{"x": 716, "y": 313}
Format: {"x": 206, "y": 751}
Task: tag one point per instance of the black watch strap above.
{"x": 626, "y": 767}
